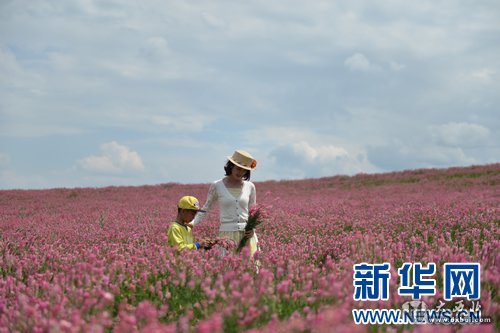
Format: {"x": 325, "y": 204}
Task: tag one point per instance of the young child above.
{"x": 179, "y": 234}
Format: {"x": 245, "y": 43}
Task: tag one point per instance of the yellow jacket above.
{"x": 181, "y": 237}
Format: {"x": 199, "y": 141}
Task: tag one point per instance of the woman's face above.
{"x": 238, "y": 173}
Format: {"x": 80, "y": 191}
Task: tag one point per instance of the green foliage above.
{"x": 231, "y": 324}
{"x": 472, "y": 175}
{"x": 453, "y": 232}
{"x": 469, "y": 245}
{"x": 430, "y": 239}
{"x": 102, "y": 219}
{"x": 181, "y": 297}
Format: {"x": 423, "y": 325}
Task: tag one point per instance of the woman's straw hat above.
{"x": 243, "y": 159}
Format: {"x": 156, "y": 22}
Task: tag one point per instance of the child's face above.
{"x": 187, "y": 215}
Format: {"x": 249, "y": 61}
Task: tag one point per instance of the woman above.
{"x": 235, "y": 195}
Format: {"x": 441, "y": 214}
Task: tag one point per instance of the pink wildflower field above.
{"x": 96, "y": 260}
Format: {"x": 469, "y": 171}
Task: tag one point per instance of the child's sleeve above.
{"x": 211, "y": 198}
{"x": 175, "y": 239}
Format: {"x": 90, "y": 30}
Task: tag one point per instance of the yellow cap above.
{"x": 189, "y": 202}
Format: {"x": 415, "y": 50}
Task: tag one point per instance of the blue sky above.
{"x": 121, "y": 92}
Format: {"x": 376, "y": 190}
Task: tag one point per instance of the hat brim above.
{"x": 241, "y": 166}
{"x": 195, "y": 210}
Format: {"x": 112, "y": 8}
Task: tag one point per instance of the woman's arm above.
{"x": 211, "y": 198}
{"x": 251, "y": 201}
{"x": 253, "y": 196}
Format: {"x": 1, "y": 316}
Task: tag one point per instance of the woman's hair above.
{"x": 229, "y": 168}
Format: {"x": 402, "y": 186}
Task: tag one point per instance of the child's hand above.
{"x": 249, "y": 234}
{"x": 206, "y": 244}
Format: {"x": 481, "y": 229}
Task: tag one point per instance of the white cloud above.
{"x": 460, "y": 134}
{"x": 485, "y": 75}
{"x": 359, "y": 62}
{"x": 396, "y": 66}
{"x": 156, "y": 48}
{"x": 321, "y": 154}
{"x": 302, "y": 159}
{"x": 114, "y": 158}
{"x": 299, "y": 152}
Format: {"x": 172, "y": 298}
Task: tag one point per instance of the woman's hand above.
{"x": 249, "y": 234}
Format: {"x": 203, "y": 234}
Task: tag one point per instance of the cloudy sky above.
{"x": 122, "y": 92}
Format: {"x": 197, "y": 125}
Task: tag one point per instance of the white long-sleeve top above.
{"x": 233, "y": 211}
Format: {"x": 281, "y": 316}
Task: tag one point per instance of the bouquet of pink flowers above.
{"x": 256, "y": 215}
{"x": 223, "y": 242}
